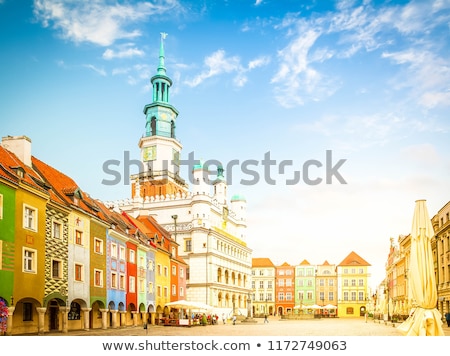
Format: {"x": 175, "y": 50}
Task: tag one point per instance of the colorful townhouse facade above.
{"x": 69, "y": 262}
{"x": 285, "y": 289}
{"x": 263, "y": 286}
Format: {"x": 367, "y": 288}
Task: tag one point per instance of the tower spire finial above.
{"x": 161, "y": 66}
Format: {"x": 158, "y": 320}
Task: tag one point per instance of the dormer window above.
{"x": 19, "y": 171}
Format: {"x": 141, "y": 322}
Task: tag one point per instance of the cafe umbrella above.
{"x": 426, "y": 319}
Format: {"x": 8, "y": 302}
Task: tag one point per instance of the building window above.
{"x": 56, "y": 269}
{"x": 122, "y": 253}
{"x": 166, "y": 271}
{"x": 98, "y": 278}
{"x": 159, "y": 270}
{"x": 281, "y": 283}
{"x": 288, "y": 282}
{"x": 159, "y": 291}
{"x": 113, "y": 280}
{"x": 269, "y": 284}
{"x": 330, "y": 282}
{"x": 132, "y": 286}
{"x": 27, "y": 312}
{"x": 360, "y": 296}
{"x": 56, "y": 230}
{"x": 29, "y": 260}
{"x": 261, "y": 284}
{"x": 188, "y": 245}
{"x": 345, "y": 282}
{"x": 281, "y": 296}
{"x": 346, "y": 296}
{"x": 288, "y": 296}
{"x": 98, "y": 246}
{"x": 174, "y": 289}
{"x": 78, "y": 272}
{"x": 150, "y": 287}
{"x": 330, "y": 296}
{"x": 174, "y": 270}
{"x": 361, "y": 282}
{"x": 78, "y": 237}
{"x": 29, "y": 218}
{"x": 181, "y": 272}
{"x": 122, "y": 281}
{"x": 150, "y": 265}
{"x": 321, "y": 282}
{"x": 132, "y": 256}
{"x": 353, "y": 296}
{"x": 181, "y": 292}
{"x": 114, "y": 250}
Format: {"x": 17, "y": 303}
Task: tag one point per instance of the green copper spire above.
{"x": 161, "y": 67}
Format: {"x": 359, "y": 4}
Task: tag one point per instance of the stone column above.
{"x": 65, "y": 318}
{"x": 86, "y": 317}
{"x": 122, "y": 318}
{"x": 144, "y": 317}
{"x": 104, "y": 318}
{"x": 153, "y": 318}
{"x": 41, "y": 321}
{"x": 135, "y": 315}
{"x": 9, "y": 321}
{"x": 114, "y": 318}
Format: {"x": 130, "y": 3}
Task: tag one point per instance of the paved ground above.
{"x": 275, "y": 327}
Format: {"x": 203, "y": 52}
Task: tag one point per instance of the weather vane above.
{"x": 163, "y": 35}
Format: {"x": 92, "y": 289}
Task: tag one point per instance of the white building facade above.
{"x": 209, "y": 227}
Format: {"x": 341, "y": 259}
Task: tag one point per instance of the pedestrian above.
{"x": 265, "y": 319}
{"x": 447, "y": 318}
{"x": 223, "y": 318}
{"x": 234, "y": 319}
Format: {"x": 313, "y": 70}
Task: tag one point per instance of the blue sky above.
{"x": 367, "y": 80}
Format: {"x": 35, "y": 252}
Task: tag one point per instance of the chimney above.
{"x": 20, "y": 146}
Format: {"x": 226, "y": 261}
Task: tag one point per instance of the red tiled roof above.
{"x": 10, "y": 164}
{"x": 262, "y": 262}
{"x": 353, "y": 259}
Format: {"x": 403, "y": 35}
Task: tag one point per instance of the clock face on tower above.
{"x": 149, "y": 153}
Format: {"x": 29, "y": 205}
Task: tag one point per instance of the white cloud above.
{"x": 301, "y": 75}
{"x": 96, "y": 21}
{"x": 122, "y": 53}
{"x": 218, "y": 63}
{"x": 99, "y": 71}
{"x": 427, "y": 74}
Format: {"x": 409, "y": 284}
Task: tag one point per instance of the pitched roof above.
{"x": 353, "y": 259}
{"x": 10, "y": 165}
{"x": 262, "y": 262}
{"x": 305, "y": 263}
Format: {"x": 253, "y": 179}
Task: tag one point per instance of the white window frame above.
{"x": 114, "y": 280}
{"x": 132, "y": 256}
{"x": 26, "y": 217}
{"x": 132, "y": 284}
{"x": 32, "y": 259}
{"x": 60, "y": 268}
{"x": 113, "y": 250}
{"x": 57, "y": 223}
{"x": 100, "y": 284}
{"x": 81, "y": 280}
{"x": 96, "y": 239}
{"x": 122, "y": 253}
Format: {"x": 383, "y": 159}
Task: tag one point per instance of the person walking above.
{"x": 265, "y": 319}
{"x": 447, "y": 318}
{"x": 234, "y": 319}
{"x": 223, "y": 318}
